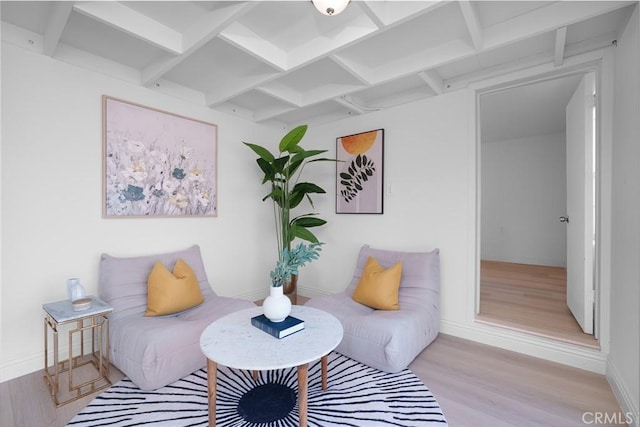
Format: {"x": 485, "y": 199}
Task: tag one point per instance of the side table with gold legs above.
{"x": 94, "y": 319}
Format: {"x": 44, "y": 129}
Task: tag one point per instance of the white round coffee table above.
{"x": 233, "y": 342}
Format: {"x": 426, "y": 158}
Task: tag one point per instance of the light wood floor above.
{"x": 25, "y": 402}
{"x": 481, "y": 386}
{"x": 475, "y": 384}
{"x": 530, "y": 298}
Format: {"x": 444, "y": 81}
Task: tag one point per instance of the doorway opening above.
{"x": 537, "y": 163}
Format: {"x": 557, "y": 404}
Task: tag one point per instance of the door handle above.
{"x": 564, "y": 219}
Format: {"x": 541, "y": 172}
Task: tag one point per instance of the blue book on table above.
{"x": 280, "y": 329}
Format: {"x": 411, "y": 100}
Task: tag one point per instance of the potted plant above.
{"x": 287, "y": 191}
{"x": 277, "y": 306}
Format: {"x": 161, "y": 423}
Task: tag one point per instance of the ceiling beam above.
{"x": 553, "y": 17}
{"x": 227, "y": 90}
{"x": 544, "y": 20}
{"x": 349, "y": 105}
{"x": 357, "y": 72}
{"x": 281, "y": 93}
{"x": 473, "y": 23}
{"x": 56, "y": 22}
{"x": 433, "y": 80}
{"x": 249, "y": 42}
{"x": 271, "y": 113}
{"x": 371, "y": 13}
{"x": 202, "y": 32}
{"x": 121, "y": 17}
{"x": 385, "y": 14}
{"x": 428, "y": 59}
{"x": 357, "y": 29}
{"x": 561, "y": 37}
{"x": 212, "y": 23}
{"x": 360, "y": 32}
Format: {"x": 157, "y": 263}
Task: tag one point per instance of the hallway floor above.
{"x": 529, "y": 298}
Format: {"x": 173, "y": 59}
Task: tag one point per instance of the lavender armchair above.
{"x": 156, "y": 351}
{"x": 389, "y": 340}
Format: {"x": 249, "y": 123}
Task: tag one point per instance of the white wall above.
{"x": 624, "y": 360}
{"x": 426, "y": 175}
{"x": 52, "y": 227}
{"x": 523, "y": 192}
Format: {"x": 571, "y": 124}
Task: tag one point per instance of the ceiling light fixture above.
{"x": 330, "y": 7}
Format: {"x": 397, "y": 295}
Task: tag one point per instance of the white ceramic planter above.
{"x": 276, "y": 306}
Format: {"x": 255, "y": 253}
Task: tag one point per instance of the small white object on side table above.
{"x": 234, "y": 342}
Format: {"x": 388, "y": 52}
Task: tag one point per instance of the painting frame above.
{"x": 157, "y": 163}
{"x": 360, "y": 173}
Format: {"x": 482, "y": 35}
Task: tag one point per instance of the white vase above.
{"x": 75, "y": 290}
{"x": 276, "y": 306}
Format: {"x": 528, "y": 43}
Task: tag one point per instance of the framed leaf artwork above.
{"x": 156, "y": 163}
{"x": 359, "y": 173}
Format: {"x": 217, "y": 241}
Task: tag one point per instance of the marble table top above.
{"x": 62, "y": 311}
{"x": 233, "y": 342}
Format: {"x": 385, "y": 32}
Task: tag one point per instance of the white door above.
{"x": 580, "y": 203}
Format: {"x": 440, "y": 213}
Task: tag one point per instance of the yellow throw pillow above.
{"x": 169, "y": 293}
{"x": 378, "y": 288}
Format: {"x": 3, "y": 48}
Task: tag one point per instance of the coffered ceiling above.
{"x": 282, "y": 62}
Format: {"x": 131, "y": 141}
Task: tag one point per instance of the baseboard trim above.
{"x": 544, "y": 348}
{"x": 628, "y": 405}
{"x": 18, "y": 367}
{"x": 310, "y": 292}
{"x": 256, "y": 295}
{"x": 35, "y": 362}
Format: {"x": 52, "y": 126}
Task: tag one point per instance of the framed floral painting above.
{"x": 359, "y": 173}
{"x": 157, "y": 164}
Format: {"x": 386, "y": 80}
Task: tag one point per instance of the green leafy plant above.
{"x": 291, "y": 260}
{"x": 287, "y": 191}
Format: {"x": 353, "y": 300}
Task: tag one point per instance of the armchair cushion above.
{"x": 382, "y": 339}
{"x": 172, "y": 292}
{"x": 378, "y": 287}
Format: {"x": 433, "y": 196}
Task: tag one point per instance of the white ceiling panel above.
{"x": 317, "y": 113}
{"x": 322, "y": 75}
{"x": 390, "y": 13}
{"x": 606, "y": 24}
{"x": 295, "y": 24}
{"x": 284, "y": 63}
{"x": 459, "y": 68}
{"x": 496, "y": 12}
{"x": 395, "y": 92}
{"x": 178, "y": 15}
{"x": 84, "y": 33}
{"x": 256, "y": 100}
{"x": 416, "y": 36}
{"x": 31, "y": 15}
{"x": 218, "y": 64}
{"x": 527, "y": 49}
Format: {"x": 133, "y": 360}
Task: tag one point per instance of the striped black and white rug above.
{"x": 356, "y": 395}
